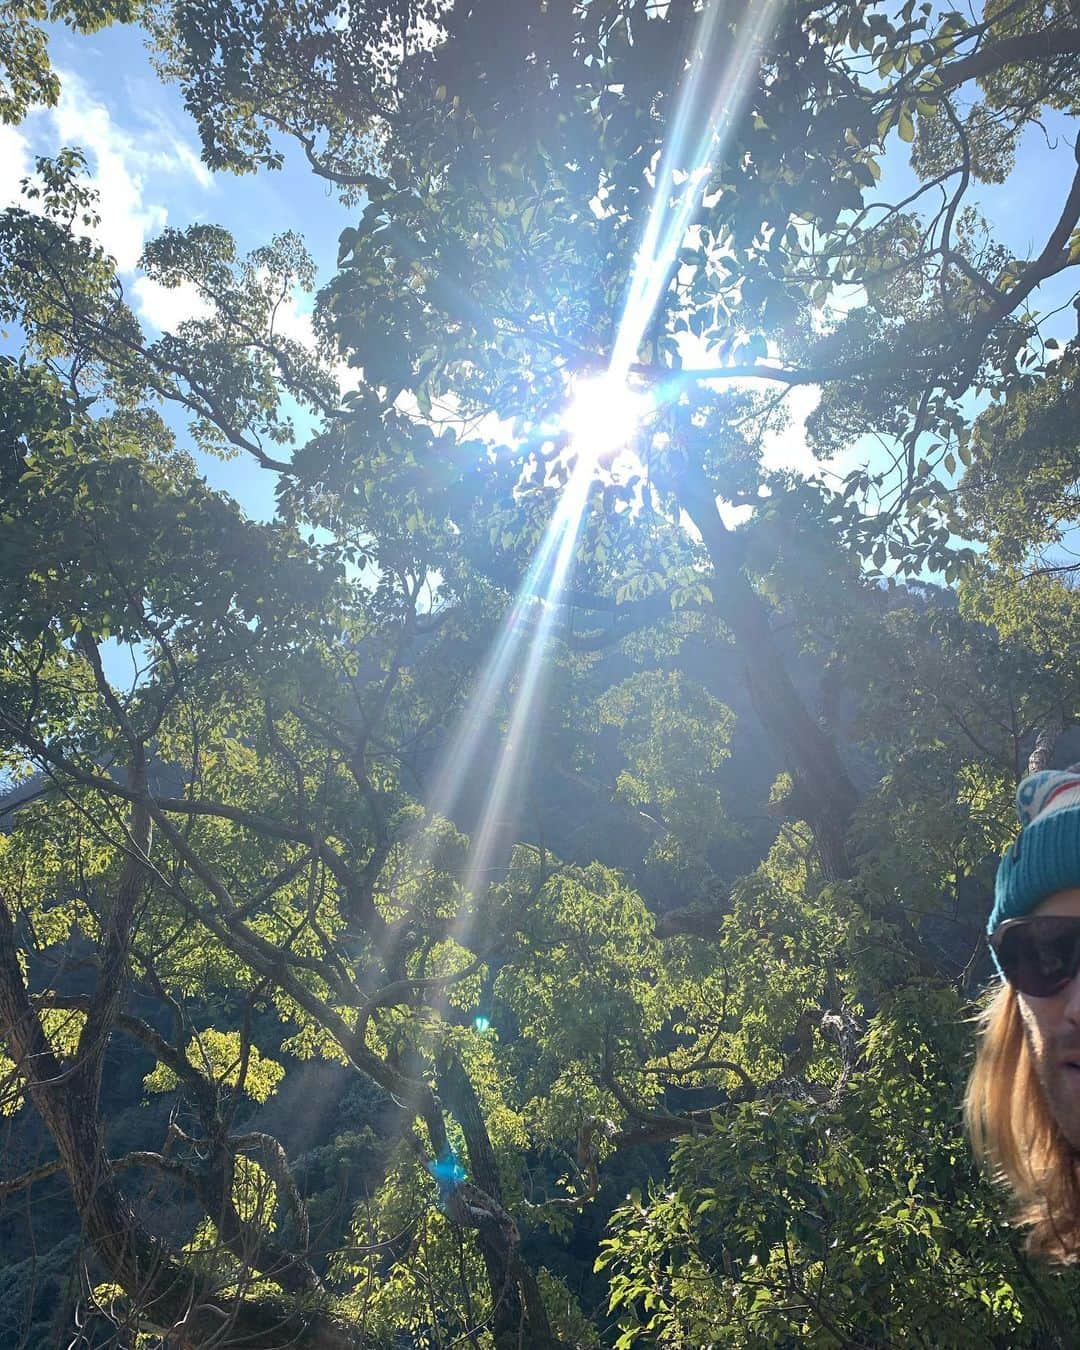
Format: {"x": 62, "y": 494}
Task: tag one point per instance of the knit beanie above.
{"x": 1045, "y": 857}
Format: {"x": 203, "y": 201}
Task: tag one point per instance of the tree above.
{"x": 228, "y": 864}
{"x": 26, "y": 74}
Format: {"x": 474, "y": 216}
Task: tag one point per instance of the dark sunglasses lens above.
{"x": 1041, "y": 956}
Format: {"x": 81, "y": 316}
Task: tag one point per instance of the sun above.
{"x": 603, "y": 417}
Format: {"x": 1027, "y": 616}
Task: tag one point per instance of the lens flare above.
{"x": 448, "y": 1172}
{"x": 602, "y": 419}
{"x": 529, "y": 620}
{"x": 519, "y": 746}
{"x": 713, "y": 92}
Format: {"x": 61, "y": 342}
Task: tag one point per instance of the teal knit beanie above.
{"x": 1045, "y": 856}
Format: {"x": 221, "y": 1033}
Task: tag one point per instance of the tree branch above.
{"x": 19, "y": 1183}
{"x": 1048, "y": 45}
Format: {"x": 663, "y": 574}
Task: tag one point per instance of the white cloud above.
{"x": 15, "y": 163}
{"x": 173, "y": 154}
{"x": 788, "y": 449}
{"x": 293, "y": 319}
{"x": 135, "y": 170}
{"x": 166, "y": 307}
{"x": 119, "y": 164}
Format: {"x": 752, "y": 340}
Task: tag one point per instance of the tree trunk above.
{"x": 824, "y": 789}
{"x": 1042, "y": 752}
{"x": 519, "y": 1319}
{"x": 166, "y": 1294}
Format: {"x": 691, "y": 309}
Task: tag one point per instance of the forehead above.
{"x": 1061, "y": 902}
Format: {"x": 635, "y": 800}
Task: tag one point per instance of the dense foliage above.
{"x": 638, "y": 956}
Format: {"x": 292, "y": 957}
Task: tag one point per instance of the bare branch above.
{"x": 20, "y": 1183}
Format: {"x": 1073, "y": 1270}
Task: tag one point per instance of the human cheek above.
{"x": 1040, "y": 1015}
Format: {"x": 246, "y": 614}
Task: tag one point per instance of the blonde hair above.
{"x": 1015, "y": 1136}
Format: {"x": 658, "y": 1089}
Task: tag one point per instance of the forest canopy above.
{"x": 530, "y": 891}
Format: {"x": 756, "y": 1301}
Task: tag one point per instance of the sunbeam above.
{"x": 536, "y": 593}
{"x": 519, "y": 743}
{"x": 713, "y": 90}
{"x": 602, "y": 417}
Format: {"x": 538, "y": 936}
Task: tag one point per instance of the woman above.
{"x": 1023, "y": 1099}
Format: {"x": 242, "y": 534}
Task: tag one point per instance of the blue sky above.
{"x": 144, "y": 154}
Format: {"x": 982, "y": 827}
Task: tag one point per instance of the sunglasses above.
{"x": 1038, "y": 956}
